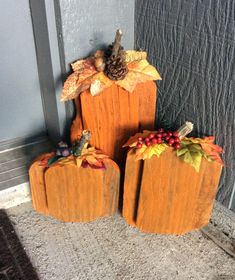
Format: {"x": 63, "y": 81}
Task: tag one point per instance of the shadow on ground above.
{"x": 14, "y": 262}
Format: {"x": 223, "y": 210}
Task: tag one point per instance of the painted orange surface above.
{"x": 114, "y": 116}
{"x": 37, "y": 185}
{"x": 168, "y": 195}
{"x": 73, "y": 194}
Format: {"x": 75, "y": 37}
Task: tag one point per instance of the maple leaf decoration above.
{"x": 86, "y": 76}
{"x": 194, "y": 149}
{"x": 89, "y": 157}
{"x": 191, "y": 150}
{"x": 145, "y": 152}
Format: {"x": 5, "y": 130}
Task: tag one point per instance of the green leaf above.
{"x": 195, "y": 147}
{"x": 194, "y": 159}
{"x": 53, "y": 160}
{"x": 185, "y": 142}
{"x": 181, "y": 151}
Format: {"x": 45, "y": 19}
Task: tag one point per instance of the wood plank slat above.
{"x": 172, "y": 197}
{"x": 73, "y": 194}
{"x": 114, "y": 116}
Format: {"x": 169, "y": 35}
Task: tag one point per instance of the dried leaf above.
{"x": 84, "y": 65}
{"x": 80, "y": 80}
{"x": 138, "y": 72}
{"x": 70, "y": 87}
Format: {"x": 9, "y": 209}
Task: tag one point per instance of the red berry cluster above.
{"x": 161, "y": 136}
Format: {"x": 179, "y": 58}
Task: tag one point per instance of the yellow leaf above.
{"x": 158, "y": 149}
{"x": 92, "y": 160}
{"x": 66, "y": 160}
{"x": 147, "y": 152}
{"x": 138, "y": 72}
{"x": 143, "y": 67}
{"x": 139, "y": 152}
{"x": 131, "y": 56}
{"x": 79, "y": 161}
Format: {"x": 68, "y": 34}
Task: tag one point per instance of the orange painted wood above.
{"x": 172, "y": 197}
{"x": 114, "y": 116}
{"x": 37, "y": 185}
{"x": 133, "y": 173}
{"x": 73, "y": 194}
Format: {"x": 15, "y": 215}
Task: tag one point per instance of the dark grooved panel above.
{"x": 192, "y": 43}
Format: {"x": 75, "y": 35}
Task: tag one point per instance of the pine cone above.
{"x": 116, "y": 68}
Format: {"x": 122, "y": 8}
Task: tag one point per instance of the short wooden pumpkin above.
{"x": 115, "y": 115}
{"x": 73, "y": 194}
{"x": 166, "y": 195}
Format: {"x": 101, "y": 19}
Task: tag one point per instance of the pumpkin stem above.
{"x": 185, "y": 129}
{"x": 86, "y": 136}
{"x": 117, "y": 43}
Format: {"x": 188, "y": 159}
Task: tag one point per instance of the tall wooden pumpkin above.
{"x": 73, "y": 194}
{"x": 115, "y": 96}
{"x": 115, "y": 115}
{"x": 166, "y": 195}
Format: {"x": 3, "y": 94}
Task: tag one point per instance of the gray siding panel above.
{"x": 192, "y": 43}
{"x": 21, "y": 111}
{"x": 88, "y": 25}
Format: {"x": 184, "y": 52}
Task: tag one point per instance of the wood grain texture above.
{"x": 132, "y": 182}
{"x": 173, "y": 198}
{"x": 114, "y": 116}
{"x": 37, "y": 185}
{"x": 82, "y": 194}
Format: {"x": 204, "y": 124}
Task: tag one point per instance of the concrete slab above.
{"x": 110, "y": 249}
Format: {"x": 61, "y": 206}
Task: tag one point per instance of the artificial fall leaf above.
{"x": 92, "y": 156}
{"x": 194, "y": 159}
{"x": 86, "y": 76}
{"x": 147, "y": 152}
{"x": 100, "y": 83}
{"x": 210, "y": 149}
{"x": 138, "y": 72}
{"x": 134, "y": 139}
{"x": 66, "y": 160}
{"x": 131, "y": 56}
{"x": 86, "y": 65}
{"x": 45, "y": 158}
{"x": 80, "y": 80}
{"x": 70, "y": 88}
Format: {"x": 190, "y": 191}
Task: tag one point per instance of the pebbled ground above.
{"x": 110, "y": 249}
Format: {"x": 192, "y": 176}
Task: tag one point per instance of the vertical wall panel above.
{"x": 21, "y": 110}
{"x": 88, "y": 25}
{"x": 192, "y": 43}
{"x": 85, "y": 26}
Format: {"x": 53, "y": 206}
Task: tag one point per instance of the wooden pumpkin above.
{"x": 166, "y": 195}
{"x": 37, "y": 184}
{"x": 73, "y": 194}
{"x": 115, "y": 115}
